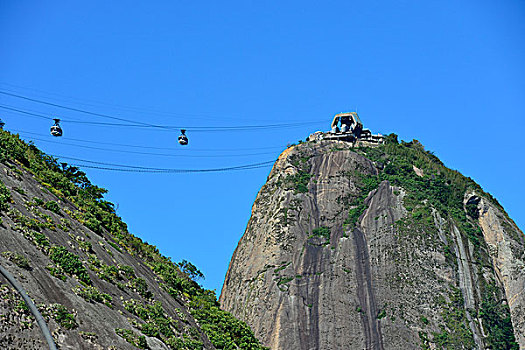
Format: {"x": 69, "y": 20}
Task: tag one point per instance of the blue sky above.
{"x": 448, "y": 73}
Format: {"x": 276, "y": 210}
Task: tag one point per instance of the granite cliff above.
{"x": 353, "y": 247}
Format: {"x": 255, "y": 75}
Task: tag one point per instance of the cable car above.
{"x": 1, "y": 124}
{"x": 56, "y": 130}
{"x": 183, "y": 139}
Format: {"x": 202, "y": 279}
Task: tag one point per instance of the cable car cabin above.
{"x": 183, "y": 139}
{"x": 56, "y": 130}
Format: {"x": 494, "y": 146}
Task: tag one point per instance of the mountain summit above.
{"x": 354, "y": 245}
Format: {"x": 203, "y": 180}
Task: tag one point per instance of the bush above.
{"x": 131, "y": 337}
{"x": 69, "y": 262}
{"x": 5, "y": 197}
{"x": 322, "y": 231}
{"x": 141, "y": 287}
{"x": 52, "y": 206}
{"x": 63, "y": 317}
{"x": 18, "y": 259}
{"x": 90, "y": 294}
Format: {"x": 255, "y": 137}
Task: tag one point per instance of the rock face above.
{"x": 97, "y": 317}
{"x": 96, "y": 285}
{"x": 351, "y": 248}
{"x": 505, "y": 242}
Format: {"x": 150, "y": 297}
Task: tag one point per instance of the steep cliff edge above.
{"x": 376, "y": 248}
{"x": 96, "y": 285}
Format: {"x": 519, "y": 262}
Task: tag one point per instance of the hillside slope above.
{"x": 96, "y": 285}
{"x": 377, "y": 248}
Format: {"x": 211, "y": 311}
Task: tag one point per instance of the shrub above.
{"x": 322, "y": 231}
{"x": 52, "y": 206}
{"x": 18, "y": 259}
{"x": 63, "y": 317}
{"x": 5, "y": 197}
{"x": 132, "y": 338}
{"x": 90, "y": 294}
{"x": 69, "y": 262}
{"x": 141, "y": 287}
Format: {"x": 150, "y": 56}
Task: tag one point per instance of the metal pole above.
{"x": 32, "y": 307}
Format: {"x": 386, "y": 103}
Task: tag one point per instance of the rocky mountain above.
{"x": 355, "y": 247}
{"x": 95, "y": 285}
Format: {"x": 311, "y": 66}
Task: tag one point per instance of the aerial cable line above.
{"x": 174, "y": 171}
{"x": 155, "y": 154}
{"x": 169, "y": 128}
{"x": 24, "y": 112}
{"x": 149, "y": 147}
{"x": 124, "y": 167}
{"x": 67, "y": 120}
{"x": 74, "y": 109}
{"x": 138, "y": 123}
{"x": 98, "y": 104}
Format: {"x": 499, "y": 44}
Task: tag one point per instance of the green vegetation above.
{"x": 441, "y": 189}
{"x": 38, "y": 201}
{"x": 381, "y": 314}
{"x": 322, "y": 231}
{"x": 5, "y": 197}
{"x": 86, "y": 246}
{"x": 158, "y": 324}
{"x": 90, "y": 294}
{"x": 284, "y": 280}
{"x": 52, "y": 206}
{"x": 31, "y": 223}
{"x": 191, "y": 270}
{"x": 19, "y": 190}
{"x": 69, "y": 183}
{"x": 425, "y": 342}
{"x": 456, "y": 333}
{"x": 57, "y": 272}
{"x": 141, "y": 287}
{"x": 357, "y": 206}
{"x": 63, "y": 317}
{"x": 283, "y": 265}
{"x": 18, "y": 259}
{"x": 225, "y": 331}
{"x": 69, "y": 262}
{"x": 38, "y": 239}
{"x": 299, "y": 181}
{"x": 108, "y": 273}
{"x": 496, "y": 318}
{"x": 131, "y": 337}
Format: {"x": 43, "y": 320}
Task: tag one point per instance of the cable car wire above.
{"x": 132, "y": 168}
{"x": 179, "y": 171}
{"x": 138, "y": 123}
{"x": 152, "y": 153}
{"x": 67, "y": 120}
{"x": 148, "y": 147}
{"x": 169, "y": 128}
{"x": 74, "y": 109}
{"x": 98, "y": 104}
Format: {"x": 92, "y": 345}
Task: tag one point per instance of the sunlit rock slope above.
{"x": 96, "y": 285}
{"x": 377, "y": 248}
